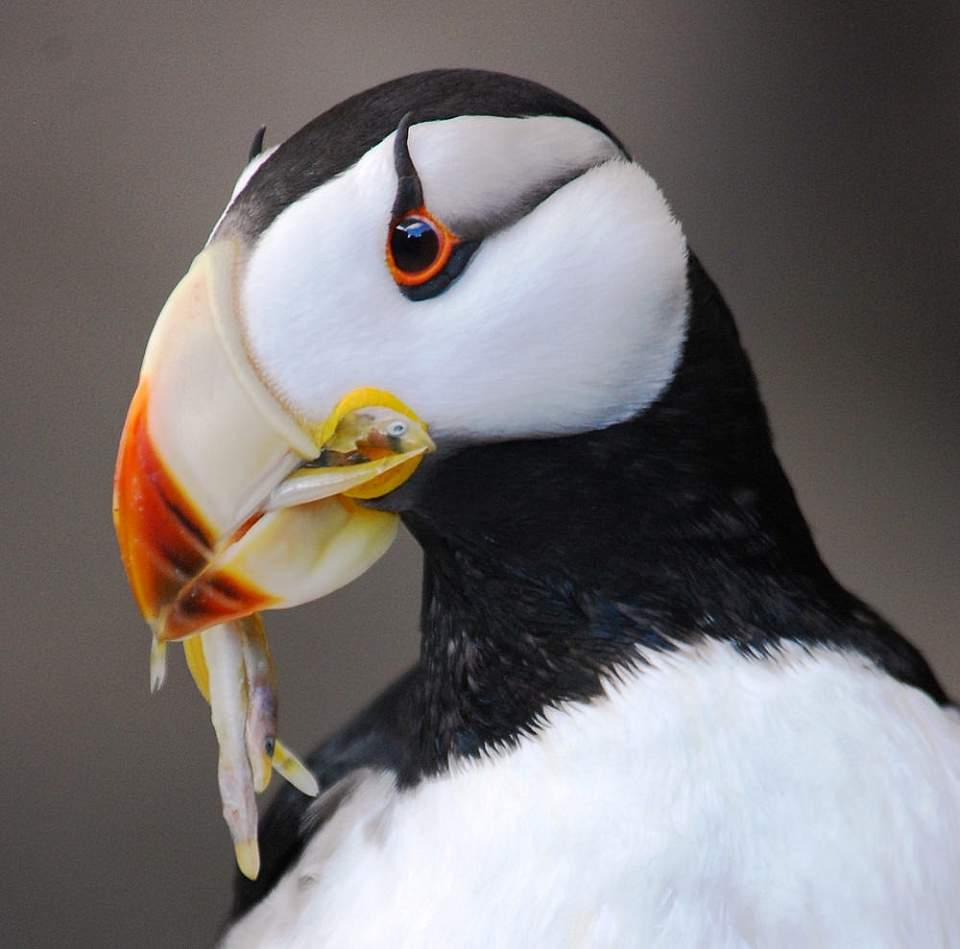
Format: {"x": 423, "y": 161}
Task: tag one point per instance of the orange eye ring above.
{"x": 402, "y": 228}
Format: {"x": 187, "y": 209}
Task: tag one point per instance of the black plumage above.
{"x": 548, "y": 562}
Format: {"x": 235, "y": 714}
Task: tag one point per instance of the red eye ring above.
{"x": 439, "y": 242}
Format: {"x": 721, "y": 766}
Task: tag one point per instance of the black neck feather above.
{"x": 546, "y": 563}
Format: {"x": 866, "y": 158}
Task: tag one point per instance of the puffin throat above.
{"x": 551, "y": 565}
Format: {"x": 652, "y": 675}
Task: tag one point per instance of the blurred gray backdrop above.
{"x": 811, "y": 150}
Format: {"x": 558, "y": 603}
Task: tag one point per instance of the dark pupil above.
{"x": 414, "y": 245}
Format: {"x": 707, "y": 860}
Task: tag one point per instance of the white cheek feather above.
{"x": 709, "y": 800}
{"x": 570, "y": 319}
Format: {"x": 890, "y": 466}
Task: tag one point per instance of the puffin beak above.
{"x": 226, "y": 503}
{"x": 207, "y": 447}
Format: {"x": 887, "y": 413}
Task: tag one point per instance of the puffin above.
{"x": 645, "y": 713}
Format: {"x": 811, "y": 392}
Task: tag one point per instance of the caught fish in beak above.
{"x": 227, "y": 503}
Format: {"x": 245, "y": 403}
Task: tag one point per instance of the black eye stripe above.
{"x": 477, "y": 229}
{"x": 467, "y": 247}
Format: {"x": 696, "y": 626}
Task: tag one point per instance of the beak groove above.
{"x": 208, "y": 599}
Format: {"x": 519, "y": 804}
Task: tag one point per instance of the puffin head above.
{"x": 467, "y": 252}
{"x": 448, "y": 299}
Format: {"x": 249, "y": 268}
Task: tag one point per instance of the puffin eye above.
{"x": 414, "y": 245}
{"x": 418, "y": 248}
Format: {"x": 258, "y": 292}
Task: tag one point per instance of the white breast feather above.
{"x": 708, "y": 801}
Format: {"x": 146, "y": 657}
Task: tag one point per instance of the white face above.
{"x": 570, "y": 318}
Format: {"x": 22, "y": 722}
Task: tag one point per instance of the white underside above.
{"x": 710, "y": 800}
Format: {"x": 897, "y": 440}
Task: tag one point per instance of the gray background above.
{"x": 811, "y": 151}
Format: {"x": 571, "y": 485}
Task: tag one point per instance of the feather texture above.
{"x": 711, "y": 799}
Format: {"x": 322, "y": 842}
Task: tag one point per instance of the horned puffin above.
{"x": 645, "y": 714}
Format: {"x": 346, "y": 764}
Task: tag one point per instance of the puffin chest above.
{"x": 709, "y": 800}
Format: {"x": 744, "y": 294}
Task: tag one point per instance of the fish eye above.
{"x": 418, "y": 248}
{"x": 396, "y": 429}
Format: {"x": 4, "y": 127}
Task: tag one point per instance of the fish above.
{"x": 230, "y": 661}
